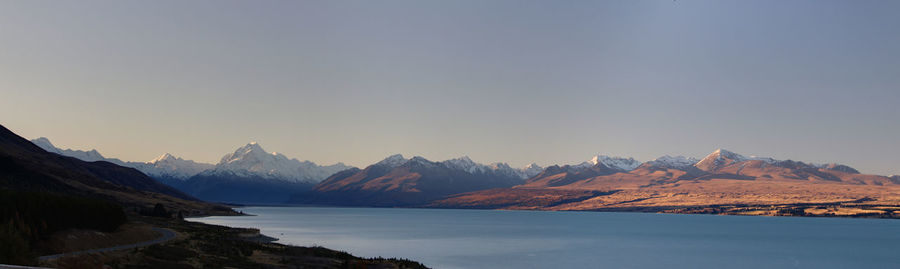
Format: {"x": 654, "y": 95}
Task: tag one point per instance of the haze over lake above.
{"x": 541, "y": 239}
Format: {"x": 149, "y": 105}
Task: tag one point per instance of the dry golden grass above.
{"x": 749, "y": 192}
{"x": 714, "y": 196}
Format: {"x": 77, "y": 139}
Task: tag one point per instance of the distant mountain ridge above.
{"x": 252, "y": 175}
{"x": 165, "y": 166}
{"x": 247, "y": 175}
{"x": 169, "y": 166}
{"x": 721, "y": 181}
{"x": 250, "y": 160}
{"x": 719, "y": 163}
{"x": 88, "y": 156}
{"x": 397, "y": 181}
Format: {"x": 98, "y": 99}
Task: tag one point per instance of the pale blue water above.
{"x": 446, "y": 238}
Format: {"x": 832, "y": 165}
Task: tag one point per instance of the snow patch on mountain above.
{"x": 619, "y": 163}
{"x": 626, "y": 164}
{"x": 167, "y": 165}
{"x": 393, "y": 161}
{"x": 466, "y": 164}
{"x": 531, "y": 170}
{"x": 725, "y": 157}
{"x": 676, "y": 162}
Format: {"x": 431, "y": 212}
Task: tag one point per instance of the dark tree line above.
{"x": 27, "y": 217}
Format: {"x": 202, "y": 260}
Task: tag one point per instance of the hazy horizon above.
{"x": 499, "y": 81}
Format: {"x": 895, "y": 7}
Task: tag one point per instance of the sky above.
{"x": 550, "y": 82}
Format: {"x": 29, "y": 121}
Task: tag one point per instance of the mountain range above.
{"x": 252, "y": 175}
{"x": 248, "y": 175}
{"x": 722, "y": 182}
{"x": 165, "y": 167}
{"x": 397, "y": 181}
{"x": 94, "y": 214}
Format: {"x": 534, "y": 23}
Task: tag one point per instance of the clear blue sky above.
{"x": 511, "y": 81}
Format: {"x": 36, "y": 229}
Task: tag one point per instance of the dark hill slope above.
{"x": 26, "y": 167}
{"x": 413, "y": 182}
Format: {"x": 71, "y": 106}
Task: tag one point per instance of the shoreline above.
{"x": 713, "y": 209}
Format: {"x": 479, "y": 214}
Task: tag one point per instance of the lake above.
{"x": 449, "y": 238}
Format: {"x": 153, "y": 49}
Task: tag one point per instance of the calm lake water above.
{"x": 446, "y": 238}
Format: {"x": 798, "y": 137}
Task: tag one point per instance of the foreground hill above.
{"x": 722, "y": 182}
{"x": 397, "y": 181}
{"x": 26, "y": 167}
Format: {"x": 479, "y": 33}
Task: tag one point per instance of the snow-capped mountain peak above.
{"x": 252, "y": 160}
{"x": 252, "y": 152}
{"x": 620, "y": 163}
{"x": 166, "y": 157}
{"x": 393, "y": 161}
{"x": 722, "y": 157}
{"x": 719, "y": 158}
{"x": 723, "y": 153}
{"x": 531, "y": 170}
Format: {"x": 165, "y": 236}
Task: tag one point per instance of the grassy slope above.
{"x": 714, "y": 196}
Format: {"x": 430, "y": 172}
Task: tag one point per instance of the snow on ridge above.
{"x": 721, "y": 156}
{"x": 464, "y": 163}
{"x": 620, "y": 163}
{"x": 165, "y": 165}
{"x": 674, "y": 161}
{"x": 531, "y": 170}
{"x": 88, "y": 156}
{"x": 393, "y": 161}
